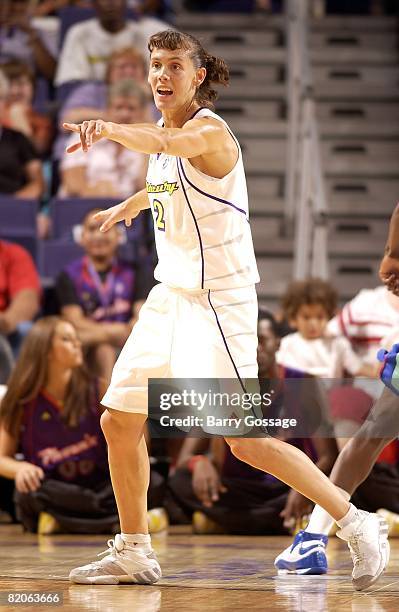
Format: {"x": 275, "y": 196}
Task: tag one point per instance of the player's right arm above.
{"x": 125, "y": 211}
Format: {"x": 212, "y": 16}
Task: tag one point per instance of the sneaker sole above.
{"x": 149, "y": 576}
{"x": 363, "y": 583}
{"x": 311, "y": 571}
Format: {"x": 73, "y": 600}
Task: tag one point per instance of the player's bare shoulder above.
{"x": 223, "y": 151}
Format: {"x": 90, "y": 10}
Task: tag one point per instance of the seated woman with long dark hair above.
{"x": 51, "y": 415}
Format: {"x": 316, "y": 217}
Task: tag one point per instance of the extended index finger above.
{"x": 72, "y": 127}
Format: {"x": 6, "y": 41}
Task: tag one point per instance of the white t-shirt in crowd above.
{"x": 108, "y": 161}
{"x": 369, "y": 321}
{"x": 326, "y": 357}
{"x": 87, "y": 47}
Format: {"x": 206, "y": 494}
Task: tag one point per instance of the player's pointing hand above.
{"x": 115, "y": 214}
{"x": 89, "y": 132}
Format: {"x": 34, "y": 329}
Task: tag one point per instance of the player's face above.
{"x": 311, "y": 321}
{"x": 173, "y": 78}
{"x": 125, "y": 109}
{"x": 66, "y": 349}
{"x": 268, "y": 344}
{"x": 99, "y": 245}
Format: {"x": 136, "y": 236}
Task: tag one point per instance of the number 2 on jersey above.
{"x": 159, "y": 215}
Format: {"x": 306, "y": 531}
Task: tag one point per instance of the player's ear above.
{"x": 200, "y": 77}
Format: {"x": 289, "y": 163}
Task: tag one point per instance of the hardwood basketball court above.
{"x": 201, "y": 573}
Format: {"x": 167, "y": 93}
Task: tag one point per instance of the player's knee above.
{"x": 116, "y": 424}
{"x": 241, "y": 448}
{"x": 250, "y": 450}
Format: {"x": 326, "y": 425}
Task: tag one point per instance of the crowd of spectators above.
{"x": 53, "y": 369}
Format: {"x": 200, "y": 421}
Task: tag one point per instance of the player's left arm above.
{"x": 197, "y": 137}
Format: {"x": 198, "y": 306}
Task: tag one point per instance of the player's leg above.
{"x": 292, "y": 466}
{"x": 130, "y": 557}
{"x": 129, "y": 467}
{"x": 365, "y": 533}
{"x": 351, "y": 468}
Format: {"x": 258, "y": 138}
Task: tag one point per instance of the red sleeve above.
{"x": 22, "y": 273}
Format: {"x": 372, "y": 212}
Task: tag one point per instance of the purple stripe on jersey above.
{"x": 197, "y": 228}
{"x": 231, "y": 358}
{"x": 192, "y": 117}
{"x": 197, "y": 111}
{"x": 208, "y": 195}
{"x": 225, "y": 342}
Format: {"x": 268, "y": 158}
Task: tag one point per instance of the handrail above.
{"x": 304, "y": 174}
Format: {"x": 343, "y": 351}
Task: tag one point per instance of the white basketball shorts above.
{"x": 203, "y": 334}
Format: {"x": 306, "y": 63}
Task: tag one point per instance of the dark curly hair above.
{"x": 216, "y": 69}
{"x": 306, "y": 292}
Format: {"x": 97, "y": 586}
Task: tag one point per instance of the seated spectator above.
{"x": 370, "y": 320}
{"x": 88, "y": 45}
{"x": 223, "y": 493}
{"x": 109, "y": 170}
{"x": 6, "y": 359}
{"x": 89, "y": 100}
{"x": 101, "y": 295}
{"x": 308, "y": 305}
{"x": 20, "y": 114}
{"x": 20, "y": 167}
{"x": 51, "y": 414}
{"x": 19, "y": 293}
{"x": 21, "y": 40}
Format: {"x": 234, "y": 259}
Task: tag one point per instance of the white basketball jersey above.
{"x": 201, "y": 223}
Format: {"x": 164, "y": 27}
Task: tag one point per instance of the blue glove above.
{"x": 389, "y": 372}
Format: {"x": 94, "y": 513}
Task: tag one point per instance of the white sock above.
{"x": 138, "y": 541}
{"x": 320, "y": 521}
{"x": 348, "y": 518}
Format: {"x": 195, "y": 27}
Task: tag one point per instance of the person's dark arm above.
{"x": 389, "y": 268}
{"x": 43, "y": 59}
{"x": 34, "y": 187}
{"x": 45, "y": 62}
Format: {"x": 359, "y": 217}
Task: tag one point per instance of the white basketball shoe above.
{"x": 123, "y": 564}
{"x": 367, "y": 538}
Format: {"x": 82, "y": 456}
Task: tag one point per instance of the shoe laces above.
{"x": 358, "y": 557}
{"x": 114, "y": 546}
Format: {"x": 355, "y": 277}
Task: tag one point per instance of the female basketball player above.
{"x": 201, "y": 321}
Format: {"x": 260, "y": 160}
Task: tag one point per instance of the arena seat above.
{"x": 69, "y": 16}
{"x": 54, "y": 255}
{"x": 65, "y": 213}
{"x": 18, "y": 222}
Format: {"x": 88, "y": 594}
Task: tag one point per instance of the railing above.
{"x": 305, "y": 200}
